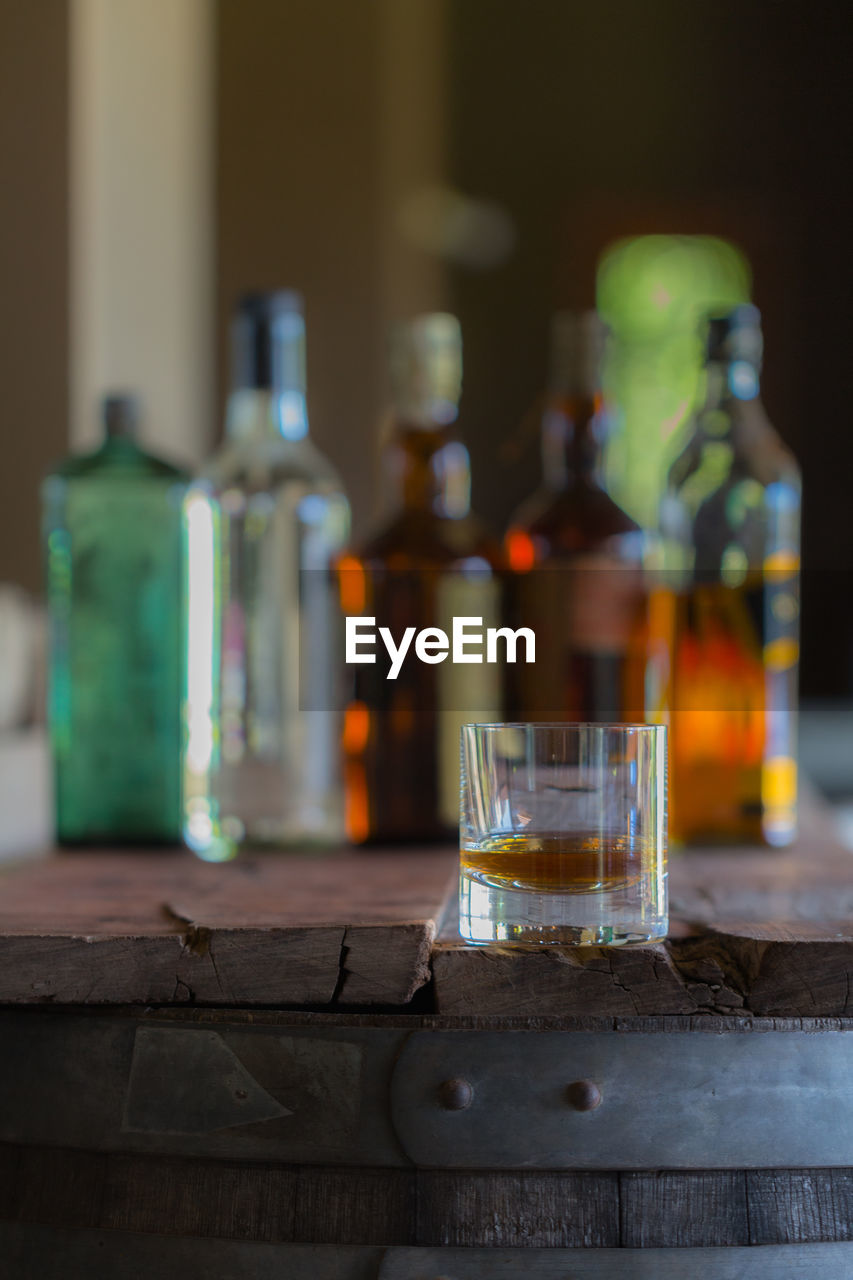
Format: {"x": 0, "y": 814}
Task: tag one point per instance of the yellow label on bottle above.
{"x": 779, "y": 782}
{"x": 780, "y": 654}
{"x": 784, "y": 561}
{"x": 467, "y": 692}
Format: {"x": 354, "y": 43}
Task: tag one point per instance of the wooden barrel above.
{"x": 212, "y": 1142}
{"x": 274, "y": 1069}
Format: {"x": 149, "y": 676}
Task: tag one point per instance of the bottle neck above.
{"x": 730, "y": 381}
{"x": 431, "y": 470}
{"x": 573, "y": 420}
{"x": 429, "y": 463}
{"x": 571, "y": 441}
{"x": 268, "y": 399}
{"x": 256, "y": 413}
{"x": 120, "y": 415}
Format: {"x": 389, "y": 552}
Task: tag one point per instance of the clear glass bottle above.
{"x": 112, "y": 533}
{"x": 731, "y": 525}
{"x": 265, "y": 522}
{"x": 577, "y": 557}
{"x": 433, "y": 561}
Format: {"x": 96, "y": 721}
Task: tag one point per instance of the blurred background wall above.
{"x": 34, "y": 262}
{"x": 387, "y": 157}
{"x": 142, "y": 258}
{"x": 327, "y": 116}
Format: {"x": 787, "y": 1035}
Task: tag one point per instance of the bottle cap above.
{"x": 578, "y": 339}
{"x": 120, "y": 414}
{"x": 426, "y": 368}
{"x": 268, "y": 342}
{"x": 736, "y": 335}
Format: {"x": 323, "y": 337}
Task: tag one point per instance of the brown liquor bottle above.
{"x": 730, "y": 521}
{"x": 577, "y": 557}
{"x": 432, "y": 562}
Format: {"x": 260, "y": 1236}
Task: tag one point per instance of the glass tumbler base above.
{"x": 502, "y": 916}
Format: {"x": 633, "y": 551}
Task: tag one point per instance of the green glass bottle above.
{"x": 112, "y": 533}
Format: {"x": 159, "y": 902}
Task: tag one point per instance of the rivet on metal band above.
{"x": 455, "y": 1094}
{"x": 584, "y": 1095}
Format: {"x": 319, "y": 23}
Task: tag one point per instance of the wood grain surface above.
{"x": 79, "y": 928}
{"x": 770, "y": 969}
{"x": 310, "y": 1204}
{"x": 753, "y": 931}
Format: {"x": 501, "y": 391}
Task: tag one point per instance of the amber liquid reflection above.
{"x": 560, "y": 862}
{"x": 733, "y": 775}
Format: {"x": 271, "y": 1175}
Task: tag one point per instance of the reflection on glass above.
{"x": 563, "y": 834}
{"x": 731, "y": 522}
{"x": 264, "y": 525}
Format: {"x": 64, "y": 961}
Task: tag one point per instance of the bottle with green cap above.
{"x": 730, "y": 520}
{"x": 265, "y": 521}
{"x": 112, "y": 538}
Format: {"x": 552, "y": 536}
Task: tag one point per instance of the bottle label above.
{"x": 601, "y": 599}
{"x": 467, "y": 692}
{"x": 418, "y": 651}
{"x": 589, "y": 614}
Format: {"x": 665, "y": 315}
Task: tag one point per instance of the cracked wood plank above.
{"x": 351, "y": 930}
{"x": 769, "y": 970}
{"x": 777, "y": 969}
{"x": 347, "y": 928}
{"x": 39, "y": 969}
{"x": 601, "y": 980}
{"x": 368, "y": 973}
{"x": 751, "y": 933}
{"x": 241, "y": 966}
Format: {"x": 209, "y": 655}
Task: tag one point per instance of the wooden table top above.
{"x": 754, "y": 932}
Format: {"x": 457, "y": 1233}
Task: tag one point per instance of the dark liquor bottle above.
{"x": 577, "y": 557}
{"x": 432, "y": 562}
{"x": 731, "y": 525}
{"x": 112, "y": 529}
{"x": 266, "y": 520}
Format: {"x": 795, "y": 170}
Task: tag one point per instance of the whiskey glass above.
{"x": 563, "y": 834}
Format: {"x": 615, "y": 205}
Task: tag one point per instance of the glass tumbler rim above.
{"x": 610, "y": 725}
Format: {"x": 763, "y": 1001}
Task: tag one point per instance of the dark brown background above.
{"x": 33, "y": 269}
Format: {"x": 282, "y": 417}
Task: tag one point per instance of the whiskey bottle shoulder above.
{"x": 418, "y": 539}
{"x": 581, "y": 518}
